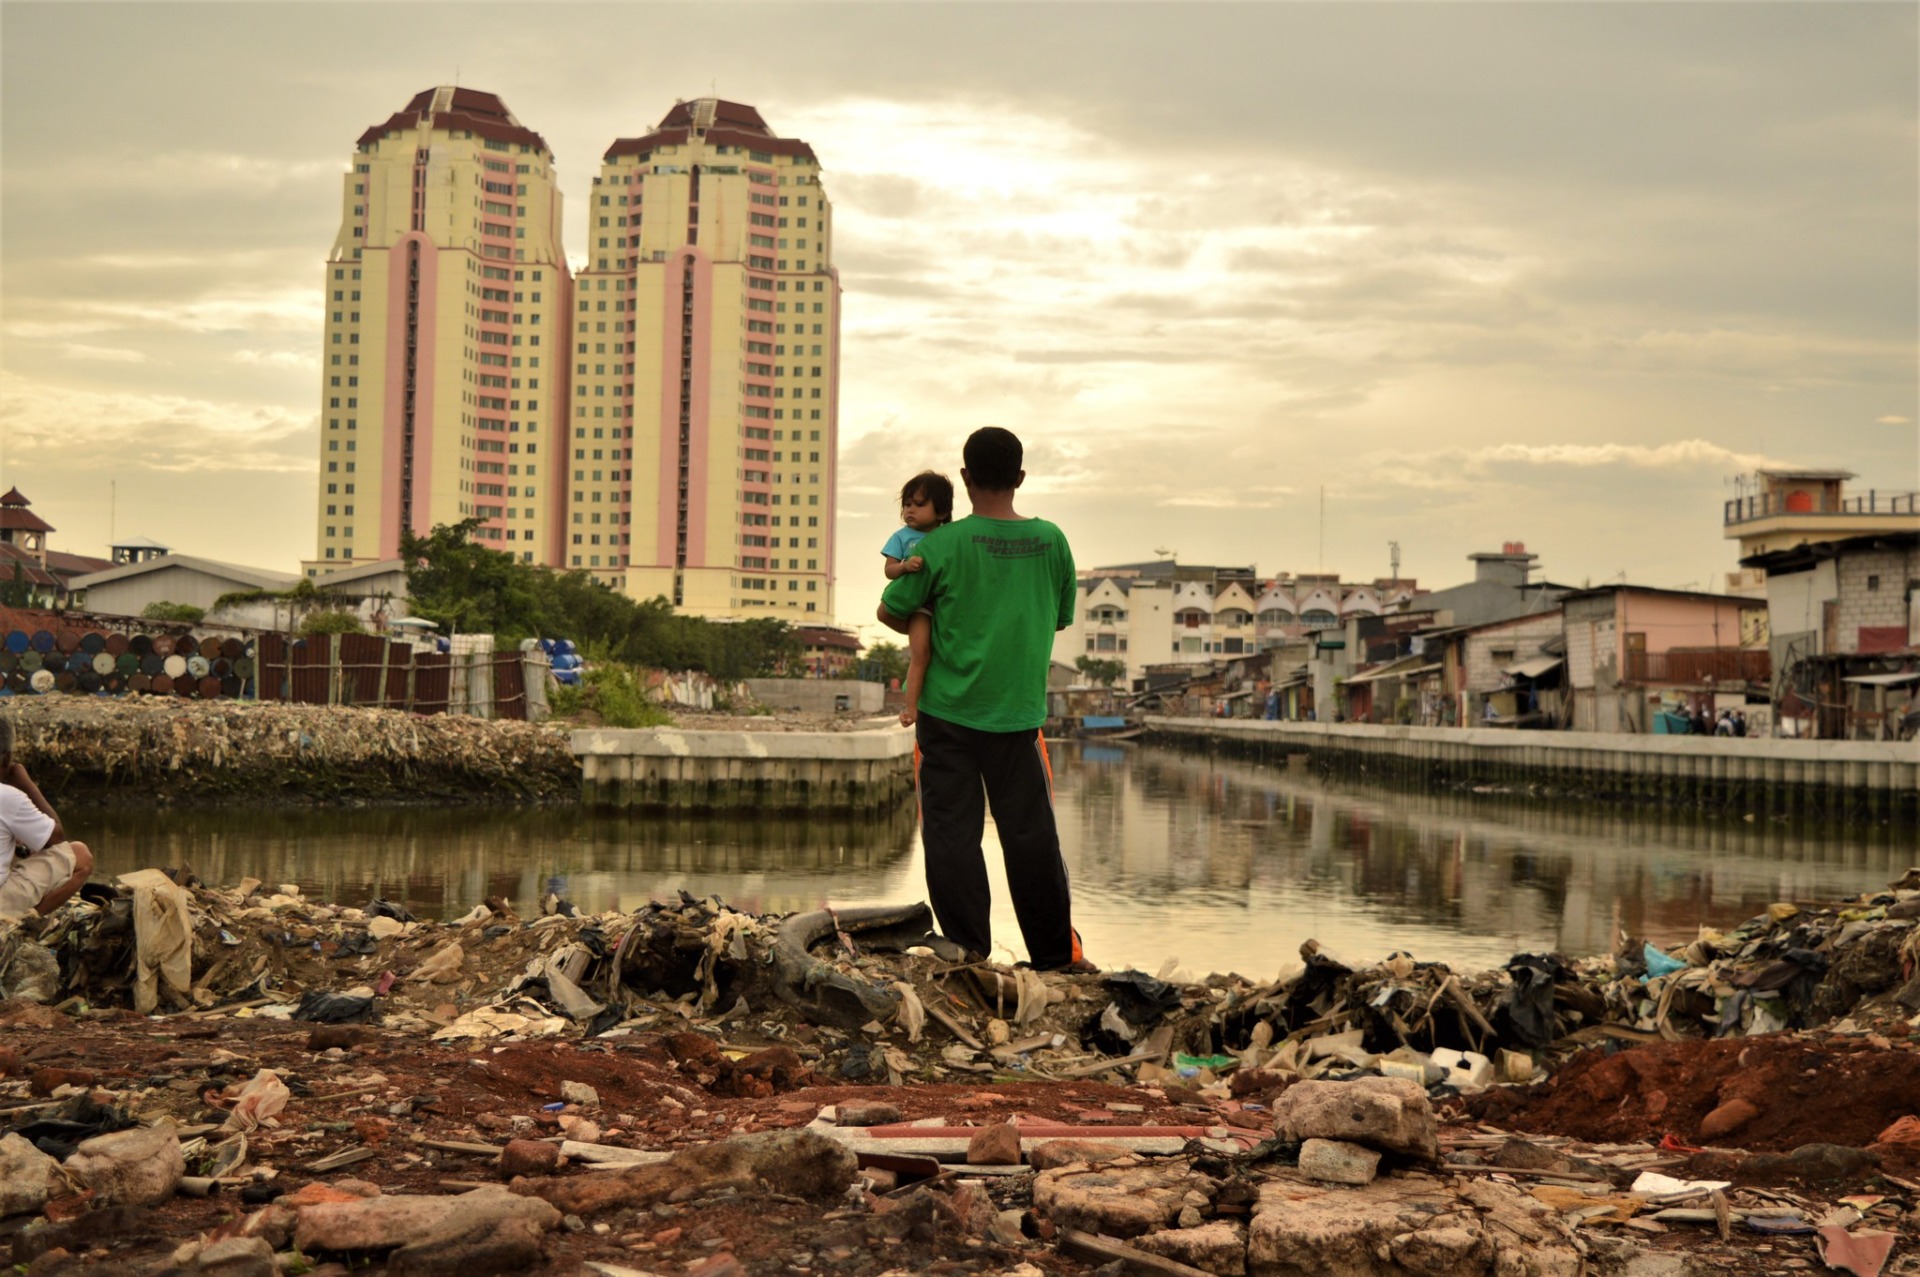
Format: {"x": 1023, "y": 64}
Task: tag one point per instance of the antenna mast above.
{"x": 1320, "y": 567}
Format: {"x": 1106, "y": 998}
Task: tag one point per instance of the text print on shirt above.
{"x": 1012, "y": 547}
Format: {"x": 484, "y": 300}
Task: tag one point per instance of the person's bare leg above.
{"x": 919, "y": 652}
{"x": 82, "y": 868}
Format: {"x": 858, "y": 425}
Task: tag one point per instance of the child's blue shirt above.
{"x": 900, "y": 544}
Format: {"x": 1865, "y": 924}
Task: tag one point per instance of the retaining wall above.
{"x": 819, "y": 695}
{"x": 1852, "y": 782}
{"x": 664, "y": 769}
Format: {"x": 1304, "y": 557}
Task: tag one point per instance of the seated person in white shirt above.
{"x": 42, "y": 867}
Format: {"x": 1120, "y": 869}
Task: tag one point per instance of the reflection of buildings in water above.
{"x": 1244, "y": 852}
{"x": 1544, "y": 875}
{"x": 441, "y": 862}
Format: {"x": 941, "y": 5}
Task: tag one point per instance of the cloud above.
{"x": 278, "y": 358}
{"x": 170, "y": 173}
{"x": 105, "y": 354}
{"x": 1892, "y": 420}
{"x": 1690, "y": 453}
{"x": 70, "y": 429}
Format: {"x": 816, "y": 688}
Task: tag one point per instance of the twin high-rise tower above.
{"x": 664, "y": 418}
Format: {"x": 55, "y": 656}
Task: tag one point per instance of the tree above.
{"x": 1100, "y": 673}
{"x": 883, "y": 663}
{"x": 471, "y": 589}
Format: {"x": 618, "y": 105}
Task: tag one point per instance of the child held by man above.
{"x": 926, "y": 502}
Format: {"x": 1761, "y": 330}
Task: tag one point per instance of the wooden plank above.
{"x": 1106, "y": 1250}
{"x": 335, "y": 1161}
{"x": 458, "y": 1146}
{"x": 1529, "y": 1174}
{"x": 608, "y": 1155}
{"x": 954, "y": 1026}
{"x": 1101, "y": 1066}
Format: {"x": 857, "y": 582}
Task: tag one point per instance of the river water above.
{"x": 1221, "y": 865}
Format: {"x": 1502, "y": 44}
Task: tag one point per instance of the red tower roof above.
{"x": 720, "y": 122}
{"x": 15, "y": 517}
{"x": 455, "y": 109}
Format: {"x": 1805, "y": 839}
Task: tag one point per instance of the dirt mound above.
{"x": 1802, "y": 1089}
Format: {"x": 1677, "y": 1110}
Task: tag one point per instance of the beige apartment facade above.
{"x": 702, "y": 456}
{"x": 443, "y": 365}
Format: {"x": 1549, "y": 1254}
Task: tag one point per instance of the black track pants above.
{"x": 958, "y": 766}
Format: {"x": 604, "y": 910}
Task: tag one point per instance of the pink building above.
{"x": 1630, "y": 648}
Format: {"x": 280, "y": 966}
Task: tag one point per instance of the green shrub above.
{"x": 612, "y": 693}
{"x": 331, "y": 621}
{"x": 185, "y": 613}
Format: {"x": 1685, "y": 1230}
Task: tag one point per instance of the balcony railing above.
{"x": 1701, "y": 666}
{"x": 1771, "y": 505}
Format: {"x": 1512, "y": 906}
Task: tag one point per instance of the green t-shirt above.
{"x": 999, "y": 589}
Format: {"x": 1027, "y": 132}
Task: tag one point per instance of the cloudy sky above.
{"x": 1539, "y": 272}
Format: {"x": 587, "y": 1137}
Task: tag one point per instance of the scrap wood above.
{"x": 461, "y": 1146}
{"x": 1101, "y": 1066}
{"x": 334, "y": 1161}
{"x": 1528, "y": 1173}
{"x": 1098, "y": 1248}
{"x": 1467, "y": 1008}
{"x": 1615, "y": 1208}
{"x": 953, "y": 1026}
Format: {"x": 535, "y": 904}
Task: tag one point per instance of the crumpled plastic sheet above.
{"x": 257, "y": 1101}
{"x": 529, "y": 1020}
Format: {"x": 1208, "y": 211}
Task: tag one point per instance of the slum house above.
{"x": 1511, "y": 673}
{"x": 1389, "y": 662}
{"x": 1329, "y": 664}
{"x": 1289, "y": 679}
{"x": 1844, "y": 634}
{"x": 1633, "y": 650}
{"x": 1180, "y": 691}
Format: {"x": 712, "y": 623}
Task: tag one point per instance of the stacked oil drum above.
{"x": 113, "y": 664}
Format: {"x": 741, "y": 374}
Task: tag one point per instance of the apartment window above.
{"x": 1873, "y": 582}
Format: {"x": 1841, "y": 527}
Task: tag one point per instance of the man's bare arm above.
{"x": 17, "y": 777}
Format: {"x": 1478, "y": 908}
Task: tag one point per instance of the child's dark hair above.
{"x": 934, "y": 487}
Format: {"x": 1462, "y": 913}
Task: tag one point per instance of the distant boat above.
{"x": 1108, "y": 727}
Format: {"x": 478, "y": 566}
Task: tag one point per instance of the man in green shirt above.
{"x": 999, "y": 585}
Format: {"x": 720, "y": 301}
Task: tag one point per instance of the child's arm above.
{"x": 897, "y": 568}
{"x": 919, "y": 651}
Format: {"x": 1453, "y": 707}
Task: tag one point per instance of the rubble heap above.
{"x": 217, "y": 1080}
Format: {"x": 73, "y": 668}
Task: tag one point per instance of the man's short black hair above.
{"x": 993, "y": 458}
{"x": 933, "y": 486}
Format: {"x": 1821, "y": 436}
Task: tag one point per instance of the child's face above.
{"x": 917, "y": 512}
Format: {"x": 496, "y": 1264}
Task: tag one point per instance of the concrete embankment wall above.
{"x": 819, "y": 695}
{"x": 662, "y": 769}
{"x": 1852, "y": 782}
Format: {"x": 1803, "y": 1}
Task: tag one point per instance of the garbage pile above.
{"x": 695, "y": 1089}
{"x": 174, "y": 751}
{"x": 894, "y": 1000}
